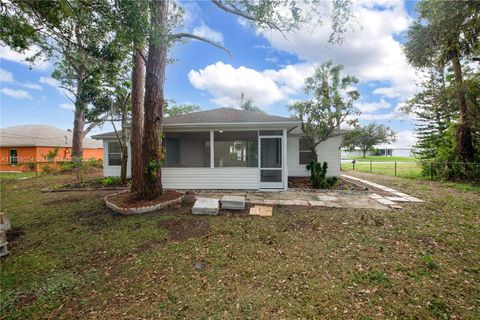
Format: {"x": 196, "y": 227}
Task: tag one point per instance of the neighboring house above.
{"x": 20, "y": 145}
{"x": 381, "y": 150}
{"x": 229, "y": 149}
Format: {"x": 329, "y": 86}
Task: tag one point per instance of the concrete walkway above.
{"x": 295, "y": 198}
{"x": 323, "y": 199}
{"x": 396, "y": 195}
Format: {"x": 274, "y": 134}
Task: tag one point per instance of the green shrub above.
{"x": 318, "y": 175}
{"x": 110, "y": 181}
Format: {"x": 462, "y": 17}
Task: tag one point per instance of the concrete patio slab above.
{"x": 233, "y": 202}
{"x": 206, "y": 206}
{"x": 326, "y": 198}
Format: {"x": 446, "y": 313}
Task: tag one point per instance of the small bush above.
{"x": 49, "y": 169}
{"x": 110, "y": 181}
{"x": 318, "y": 175}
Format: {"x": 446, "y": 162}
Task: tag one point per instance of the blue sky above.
{"x": 267, "y": 67}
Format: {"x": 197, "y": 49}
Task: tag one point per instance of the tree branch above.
{"x": 230, "y": 8}
{"x": 189, "y": 35}
{"x": 94, "y": 124}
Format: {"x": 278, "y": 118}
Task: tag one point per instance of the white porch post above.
{"x": 284, "y": 160}
{"x": 212, "y": 161}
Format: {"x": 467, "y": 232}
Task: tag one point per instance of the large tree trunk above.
{"x": 124, "y": 143}
{"x": 154, "y": 100}
{"x": 138, "y": 91}
{"x": 79, "y": 117}
{"x": 464, "y": 134}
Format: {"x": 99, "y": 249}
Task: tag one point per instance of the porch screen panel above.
{"x": 187, "y": 149}
{"x": 236, "y": 149}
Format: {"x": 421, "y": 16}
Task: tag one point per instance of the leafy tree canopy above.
{"x": 365, "y": 137}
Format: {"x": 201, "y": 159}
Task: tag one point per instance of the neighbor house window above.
{"x": 13, "y": 157}
{"x": 114, "y": 153}
{"x": 304, "y": 152}
{"x": 235, "y": 149}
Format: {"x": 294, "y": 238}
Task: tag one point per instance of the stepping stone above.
{"x": 326, "y": 198}
{"x": 317, "y": 203}
{"x": 261, "y": 211}
{"x": 375, "y": 196}
{"x": 206, "y": 206}
{"x": 300, "y": 202}
{"x": 233, "y": 202}
{"x": 385, "y": 201}
{"x": 397, "y": 199}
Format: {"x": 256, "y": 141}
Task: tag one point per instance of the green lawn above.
{"x": 72, "y": 258}
{"x": 383, "y": 158}
{"x": 404, "y": 169}
{"x": 15, "y": 175}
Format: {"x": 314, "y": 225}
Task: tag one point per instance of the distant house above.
{"x": 230, "y": 149}
{"x": 381, "y": 150}
{"x": 20, "y": 145}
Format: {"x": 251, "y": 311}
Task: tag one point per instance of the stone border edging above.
{"x": 131, "y": 211}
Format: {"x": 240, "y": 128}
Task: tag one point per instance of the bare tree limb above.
{"x": 189, "y": 35}
{"x": 94, "y": 124}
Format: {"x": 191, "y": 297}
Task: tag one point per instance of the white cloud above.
{"x": 6, "y": 76}
{"x": 67, "y": 106}
{"x": 369, "y": 52}
{"x": 8, "y": 54}
{"x": 403, "y": 139}
{"x": 368, "y": 107}
{"x": 33, "y": 86}
{"x": 206, "y": 32}
{"x": 396, "y": 114}
{"x": 50, "y": 81}
{"x": 388, "y": 92}
{"x": 17, "y": 94}
{"x": 225, "y": 83}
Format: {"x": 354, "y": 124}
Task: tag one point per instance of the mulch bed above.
{"x": 89, "y": 185}
{"x": 305, "y": 183}
{"x": 130, "y": 200}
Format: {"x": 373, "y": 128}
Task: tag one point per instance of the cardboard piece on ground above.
{"x": 261, "y": 211}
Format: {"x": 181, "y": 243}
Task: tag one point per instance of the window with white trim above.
{"x": 304, "y": 152}
{"x": 114, "y": 153}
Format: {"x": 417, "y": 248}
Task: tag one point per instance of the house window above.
{"x": 304, "y": 152}
{"x": 235, "y": 149}
{"x": 13, "y": 157}
{"x": 114, "y": 153}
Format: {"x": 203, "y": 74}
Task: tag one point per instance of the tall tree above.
{"x": 447, "y": 32}
{"x": 176, "y": 109}
{"x": 279, "y": 15}
{"x": 331, "y": 105}
{"x": 73, "y": 32}
{"x": 366, "y": 137}
{"x": 434, "y": 111}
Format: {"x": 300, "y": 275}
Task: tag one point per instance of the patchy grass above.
{"x": 383, "y": 159}
{"x": 16, "y": 175}
{"x": 74, "y": 259}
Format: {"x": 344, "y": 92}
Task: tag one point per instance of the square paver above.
{"x": 317, "y": 203}
{"x": 233, "y": 202}
{"x": 206, "y": 206}
{"x": 262, "y": 211}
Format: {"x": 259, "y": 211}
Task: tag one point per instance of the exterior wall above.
{"x": 210, "y": 178}
{"x": 37, "y": 154}
{"x": 327, "y": 151}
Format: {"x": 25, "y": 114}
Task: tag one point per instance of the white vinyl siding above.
{"x": 210, "y": 178}
{"x": 327, "y": 151}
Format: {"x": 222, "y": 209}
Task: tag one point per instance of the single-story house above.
{"x": 381, "y": 150}
{"x": 227, "y": 148}
{"x": 20, "y": 145}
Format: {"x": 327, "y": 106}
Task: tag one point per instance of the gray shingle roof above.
{"x": 216, "y": 116}
{"x": 40, "y": 136}
{"x": 224, "y": 115}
